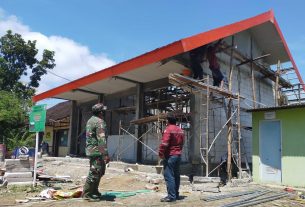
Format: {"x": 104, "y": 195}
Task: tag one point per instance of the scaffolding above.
{"x": 158, "y": 102}
{"x": 205, "y": 90}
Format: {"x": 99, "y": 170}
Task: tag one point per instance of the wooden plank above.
{"x": 149, "y": 119}
{"x": 159, "y": 117}
{"x": 179, "y": 80}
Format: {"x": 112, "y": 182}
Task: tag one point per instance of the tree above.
{"x": 20, "y": 73}
{"x": 12, "y": 114}
{"x": 18, "y": 61}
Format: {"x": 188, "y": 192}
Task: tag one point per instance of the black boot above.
{"x": 88, "y": 192}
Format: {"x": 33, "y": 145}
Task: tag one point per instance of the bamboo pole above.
{"x": 239, "y": 137}
{"x": 207, "y": 128}
{"x": 229, "y": 134}
{"x": 200, "y": 129}
{"x": 252, "y": 74}
{"x": 276, "y": 89}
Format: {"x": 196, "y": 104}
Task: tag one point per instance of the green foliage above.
{"x": 10, "y": 110}
{"x": 19, "y": 138}
{"x": 12, "y": 114}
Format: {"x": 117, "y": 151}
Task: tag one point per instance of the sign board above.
{"x": 38, "y": 118}
{"x": 269, "y": 115}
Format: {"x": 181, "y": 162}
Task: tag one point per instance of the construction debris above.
{"x": 64, "y": 178}
{"x": 152, "y": 187}
{"x": 3, "y": 182}
{"x": 229, "y": 195}
{"x": 258, "y": 200}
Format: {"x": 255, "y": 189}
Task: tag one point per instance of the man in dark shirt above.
{"x": 44, "y": 147}
{"x": 196, "y": 58}
{"x": 170, "y": 151}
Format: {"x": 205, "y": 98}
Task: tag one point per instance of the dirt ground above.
{"x": 119, "y": 180}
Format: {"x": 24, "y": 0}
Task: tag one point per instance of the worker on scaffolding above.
{"x": 214, "y": 64}
{"x": 96, "y": 150}
{"x": 170, "y": 151}
{"x": 196, "y": 58}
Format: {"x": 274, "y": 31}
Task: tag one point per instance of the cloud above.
{"x": 73, "y": 60}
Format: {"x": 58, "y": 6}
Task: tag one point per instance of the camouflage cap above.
{"x": 98, "y": 108}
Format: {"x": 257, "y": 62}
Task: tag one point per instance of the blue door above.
{"x": 270, "y": 151}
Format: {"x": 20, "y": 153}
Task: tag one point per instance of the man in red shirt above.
{"x": 214, "y": 65}
{"x": 170, "y": 151}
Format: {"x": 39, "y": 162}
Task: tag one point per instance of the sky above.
{"x": 91, "y": 35}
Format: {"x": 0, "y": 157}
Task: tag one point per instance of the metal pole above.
{"x": 35, "y": 159}
{"x": 299, "y": 90}
{"x": 252, "y": 75}
{"x": 207, "y": 129}
{"x": 239, "y": 136}
{"x": 277, "y": 83}
{"x": 119, "y": 147}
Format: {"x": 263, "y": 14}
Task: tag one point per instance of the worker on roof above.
{"x": 214, "y": 65}
{"x": 96, "y": 150}
{"x": 170, "y": 151}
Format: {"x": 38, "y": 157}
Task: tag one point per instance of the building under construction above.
{"x": 259, "y": 71}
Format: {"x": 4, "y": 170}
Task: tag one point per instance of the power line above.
{"x": 71, "y": 81}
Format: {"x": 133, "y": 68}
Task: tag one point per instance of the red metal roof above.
{"x": 170, "y": 50}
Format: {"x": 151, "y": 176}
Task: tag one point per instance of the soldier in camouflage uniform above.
{"x": 96, "y": 150}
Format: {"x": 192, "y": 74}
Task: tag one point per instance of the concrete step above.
{"x": 18, "y": 175}
{"x": 18, "y": 169}
{"x": 205, "y": 188}
{"x": 184, "y": 182}
{"x": 210, "y": 185}
{"x": 18, "y": 184}
{"x": 16, "y": 163}
{"x": 18, "y": 180}
{"x": 200, "y": 179}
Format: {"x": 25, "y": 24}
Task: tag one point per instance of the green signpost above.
{"x": 38, "y": 118}
{"x": 37, "y": 124}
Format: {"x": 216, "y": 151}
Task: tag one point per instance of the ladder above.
{"x": 239, "y": 153}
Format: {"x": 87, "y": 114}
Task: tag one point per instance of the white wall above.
{"x": 122, "y": 147}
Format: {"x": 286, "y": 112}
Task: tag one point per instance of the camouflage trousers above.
{"x": 96, "y": 171}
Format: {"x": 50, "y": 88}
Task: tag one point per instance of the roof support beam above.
{"x": 126, "y": 79}
{"x": 86, "y": 91}
{"x": 252, "y": 60}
